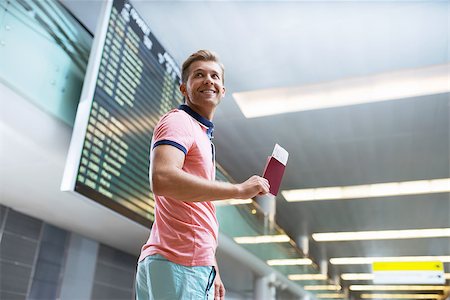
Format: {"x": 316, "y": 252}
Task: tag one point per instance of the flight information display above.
{"x": 130, "y": 82}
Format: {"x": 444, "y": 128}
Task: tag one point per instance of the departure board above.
{"x": 130, "y": 82}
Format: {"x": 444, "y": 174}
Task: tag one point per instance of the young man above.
{"x": 178, "y": 261}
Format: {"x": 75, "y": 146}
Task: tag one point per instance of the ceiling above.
{"x": 270, "y": 44}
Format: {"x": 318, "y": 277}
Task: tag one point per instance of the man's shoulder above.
{"x": 175, "y": 115}
{"x": 176, "y": 118}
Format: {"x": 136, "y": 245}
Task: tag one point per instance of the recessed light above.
{"x": 322, "y": 287}
{"x": 330, "y": 296}
{"x": 262, "y": 239}
{"x": 400, "y": 84}
{"x": 357, "y": 276}
{"x": 381, "y": 235}
{"x": 441, "y": 185}
{"x": 307, "y": 277}
{"x": 289, "y": 262}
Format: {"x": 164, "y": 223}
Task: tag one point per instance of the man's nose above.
{"x": 208, "y": 79}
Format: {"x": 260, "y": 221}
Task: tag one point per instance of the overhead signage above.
{"x": 424, "y": 272}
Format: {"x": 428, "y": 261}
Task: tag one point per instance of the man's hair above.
{"x": 200, "y": 55}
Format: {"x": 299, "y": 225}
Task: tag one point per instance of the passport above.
{"x": 274, "y": 169}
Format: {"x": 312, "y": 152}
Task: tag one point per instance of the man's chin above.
{"x": 213, "y": 102}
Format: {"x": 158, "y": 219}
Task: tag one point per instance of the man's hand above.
{"x": 255, "y": 185}
{"x": 219, "y": 289}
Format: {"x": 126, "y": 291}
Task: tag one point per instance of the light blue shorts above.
{"x": 160, "y": 279}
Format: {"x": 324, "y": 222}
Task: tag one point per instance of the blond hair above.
{"x": 200, "y": 55}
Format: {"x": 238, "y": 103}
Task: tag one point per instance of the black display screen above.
{"x": 133, "y": 82}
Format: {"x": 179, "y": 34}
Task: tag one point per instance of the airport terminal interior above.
{"x": 356, "y": 92}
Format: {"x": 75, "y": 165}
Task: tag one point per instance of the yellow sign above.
{"x": 422, "y": 272}
{"x": 408, "y": 266}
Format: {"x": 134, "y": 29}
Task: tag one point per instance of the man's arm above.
{"x": 219, "y": 288}
{"x": 168, "y": 179}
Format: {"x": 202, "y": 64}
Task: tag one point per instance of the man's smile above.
{"x": 208, "y": 91}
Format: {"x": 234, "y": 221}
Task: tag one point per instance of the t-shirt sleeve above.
{"x": 174, "y": 129}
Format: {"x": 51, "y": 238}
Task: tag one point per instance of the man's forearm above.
{"x": 170, "y": 180}
{"x": 176, "y": 183}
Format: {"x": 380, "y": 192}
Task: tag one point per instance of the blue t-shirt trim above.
{"x": 199, "y": 118}
{"x": 171, "y": 143}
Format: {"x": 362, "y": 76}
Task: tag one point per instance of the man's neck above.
{"x": 205, "y": 113}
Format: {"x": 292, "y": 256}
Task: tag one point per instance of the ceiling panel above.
{"x": 268, "y": 44}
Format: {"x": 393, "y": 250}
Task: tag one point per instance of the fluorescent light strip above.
{"x": 307, "y": 277}
{"x": 350, "y": 91}
{"x": 401, "y": 296}
{"x": 290, "y": 262}
{"x": 381, "y": 235}
{"x": 232, "y": 202}
{"x": 370, "y": 260}
{"x": 262, "y": 239}
{"x": 330, "y": 296}
{"x": 322, "y": 287}
{"x": 357, "y": 276}
{"x": 369, "y": 190}
{"x": 398, "y": 288}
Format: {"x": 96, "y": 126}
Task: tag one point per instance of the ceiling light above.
{"x": 232, "y": 202}
{"x": 365, "y": 89}
{"x": 400, "y": 296}
{"x": 322, "y": 287}
{"x": 398, "y": 288}
{"x": 369, "y": 190}
{"x": 330, "y": 296}
{"x": 381, "y": 235}
{"x": 357, "y": 276}
{"x": 307, "y": 277}
{"x": 370, "y": 260}
{"x": 262, "y": 239}
{"x": 289, "y": 262}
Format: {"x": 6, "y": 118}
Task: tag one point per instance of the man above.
{"x": 178, "y": 260}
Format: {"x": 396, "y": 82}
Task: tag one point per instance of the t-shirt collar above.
{"x": 202, "y": 120}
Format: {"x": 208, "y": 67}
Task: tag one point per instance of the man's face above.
{"x": 204, "y": 88}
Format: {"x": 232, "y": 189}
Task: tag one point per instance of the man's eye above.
{"x": 198, "y": 75}
{"x": 216, "y": 76}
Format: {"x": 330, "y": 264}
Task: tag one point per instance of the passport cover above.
{"x": 274, "y": 170}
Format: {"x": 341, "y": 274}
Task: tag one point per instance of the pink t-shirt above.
{"x": 185, "y": 232}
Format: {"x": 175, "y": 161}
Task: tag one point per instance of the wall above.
{"x": 41, "y": 261}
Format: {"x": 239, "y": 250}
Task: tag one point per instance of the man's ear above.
{"x": 223, "y": 92}
{"x": 183, "y": 89}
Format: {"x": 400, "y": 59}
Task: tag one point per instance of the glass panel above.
{"x": 249, "y": 220}
{"x": 43, "y": 55}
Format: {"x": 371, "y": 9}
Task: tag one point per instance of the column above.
{"x": 264, "y": 287}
